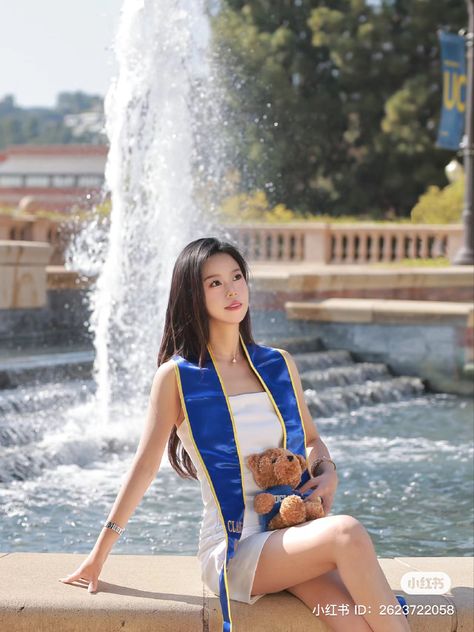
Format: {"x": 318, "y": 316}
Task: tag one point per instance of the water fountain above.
{"x": 159, "y": 163}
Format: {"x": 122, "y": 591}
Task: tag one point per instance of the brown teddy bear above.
{"x": 278, "y": 471}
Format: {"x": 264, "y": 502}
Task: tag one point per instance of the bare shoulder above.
{"x": 163, "y": 413}
{"x": 164, "y": 389}
{"x": 292, "y": 367}
{"x": 166, "y": 369}
{"x": 286, "y": 354}
{"x": 165, "y": 374}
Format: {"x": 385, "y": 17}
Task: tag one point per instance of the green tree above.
{"x": 75, "y": 102}
{"x": 40, "y": 125}
{"x": 279, "y": 93}
{"x": 333, "y": 106}
{"x": 440, "y": 206}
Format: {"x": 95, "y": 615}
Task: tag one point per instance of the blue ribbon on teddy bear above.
{"x": 280, "y": 492}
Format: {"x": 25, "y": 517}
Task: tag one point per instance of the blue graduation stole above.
{"x": 212, "y": 429}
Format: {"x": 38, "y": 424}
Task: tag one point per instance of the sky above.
{"x": 52, "y": 46}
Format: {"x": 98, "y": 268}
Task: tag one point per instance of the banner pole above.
{"x": 465, "y": 256}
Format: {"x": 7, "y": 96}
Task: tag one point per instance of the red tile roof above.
{"x": 54, "y": 150}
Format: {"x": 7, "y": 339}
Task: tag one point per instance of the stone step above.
{"x": 36, "y": 397}
{"x": 314, "y": 360}
{"x": 342, "y": 399}
{"x": 40, "y": 368}
{"x": 162, "y": 593}
{"x": 345, "y": 375}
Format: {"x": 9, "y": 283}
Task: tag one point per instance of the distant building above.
{"x": 51, "y": 177}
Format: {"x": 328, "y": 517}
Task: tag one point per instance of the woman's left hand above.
{"x": 325, "y": 485}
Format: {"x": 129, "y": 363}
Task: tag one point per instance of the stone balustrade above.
{"x": 33, "y": 229}
{"x": 23, "y": 274}
{"x": 312, "y": 242}
{"x": 354, "y": 243}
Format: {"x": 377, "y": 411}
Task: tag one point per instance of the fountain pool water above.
{"x": 404, "y": 462}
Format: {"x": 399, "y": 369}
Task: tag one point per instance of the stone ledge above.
{"x": 365, "y": 310}
{"x": 277, "y": 276}
{"x": 332, "y": 277}
{"x": 58, "y": 278}
{"x": 32, "y": 367}
{"x": 141, "y": 593}
{"x": 23, "y": 253}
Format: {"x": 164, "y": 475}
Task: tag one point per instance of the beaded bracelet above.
{"x": 317, "y": 463}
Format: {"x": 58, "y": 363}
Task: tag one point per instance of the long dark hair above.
{"x": 186, "y": 329}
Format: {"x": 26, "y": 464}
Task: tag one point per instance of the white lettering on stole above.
{"x": 279, "y": 497}
{"x": 235, "y": 526}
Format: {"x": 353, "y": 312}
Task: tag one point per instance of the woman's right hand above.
{"x": 89, "y": 571}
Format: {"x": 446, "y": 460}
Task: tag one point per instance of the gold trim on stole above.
{"x": 183, "y": 404}
{"x": 298, "y": 405}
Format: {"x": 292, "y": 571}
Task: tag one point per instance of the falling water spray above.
{"x": 162, "y": 114}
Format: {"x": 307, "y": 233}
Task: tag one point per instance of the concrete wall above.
{"x": 38, "y": 304}
{"x": 432, "y": 340}
{"x": 59, "y": 321}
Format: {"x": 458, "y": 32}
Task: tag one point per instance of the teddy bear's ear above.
{"x": 252, "y": 461}
{"x": 302, "y": 461}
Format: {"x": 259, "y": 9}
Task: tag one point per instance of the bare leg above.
{"x": 330, "y": 589}
{"x": 311, "y": 549}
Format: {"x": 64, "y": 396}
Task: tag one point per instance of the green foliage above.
{"x": 254, "y": 208}
{"x": 440, "y": 206}
{"x": 46, "y": 125}
{"x": 437, "y": 262}
{"x": 100, "y": 211}
{"x": 333, "y": 105}
{"x": 52, "y": 215}
{"x": 103, "y": 209}
{"x": 75, "y": 102}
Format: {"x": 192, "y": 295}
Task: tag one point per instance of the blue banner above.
{"x": 453, "y": 67}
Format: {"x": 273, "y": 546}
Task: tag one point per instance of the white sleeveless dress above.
{"x": 258, "y": 428}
